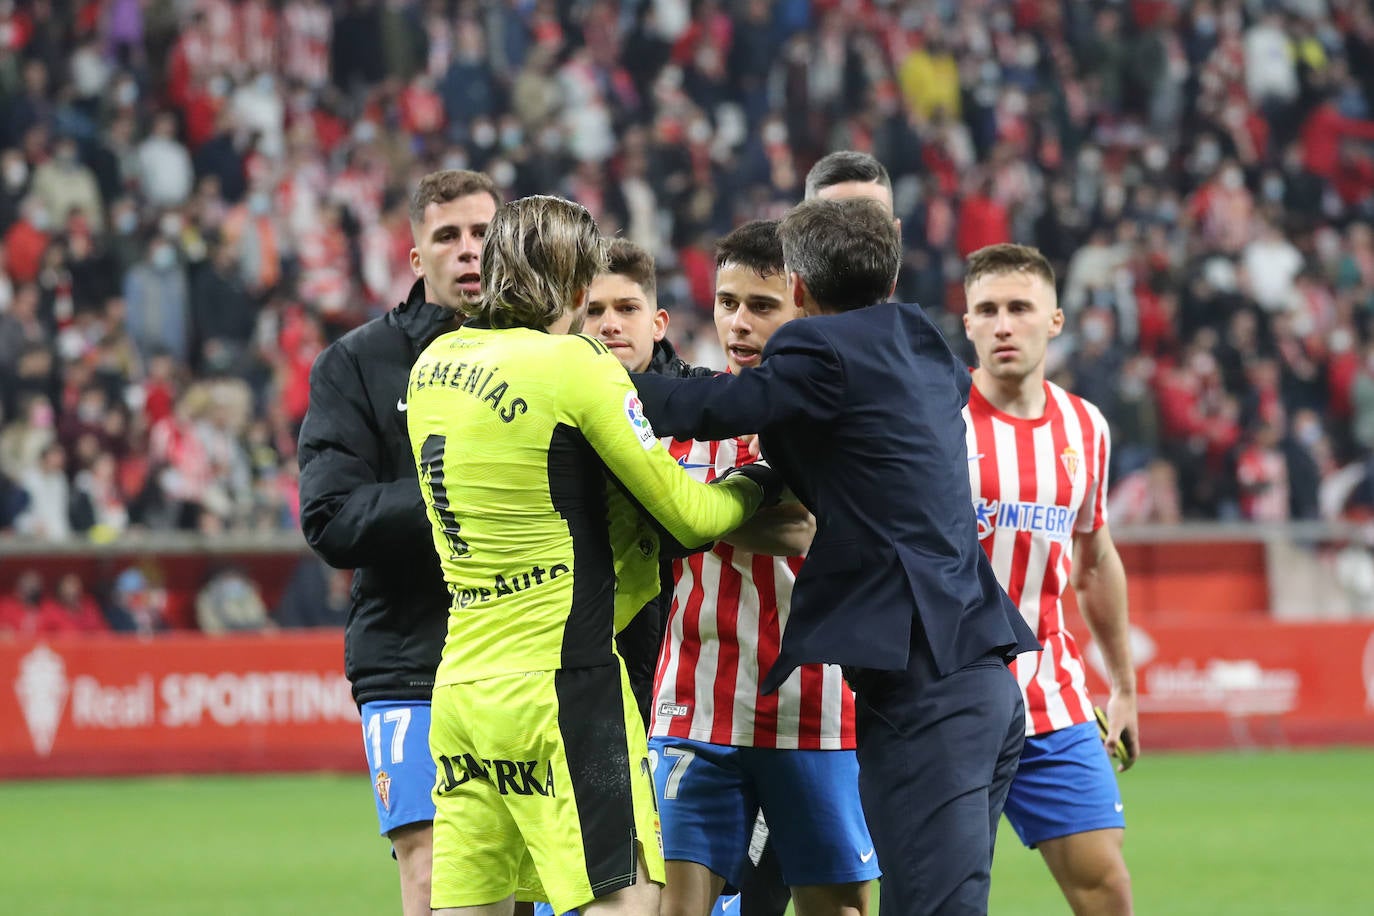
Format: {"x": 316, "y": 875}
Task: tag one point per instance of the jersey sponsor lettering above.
{"x": 724, "y": 632}
{"x": 509, "y": 777}
{"x": 1037, "y": 483}
{"x": 1055, "y": 522}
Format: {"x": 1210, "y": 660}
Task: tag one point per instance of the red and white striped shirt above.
{"x": 1037, "y": 483}
{"x": 724, "y": 630}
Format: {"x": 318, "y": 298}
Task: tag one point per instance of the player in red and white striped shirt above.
{"x": 1038, "y": 459}
{"x": 723, "y": 750}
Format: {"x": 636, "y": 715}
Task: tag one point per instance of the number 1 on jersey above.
{"x": 432, "y": 479}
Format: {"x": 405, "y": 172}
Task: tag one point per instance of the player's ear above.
{"x": 797, "y": 289}
{"x": 661, "y": 319}
{"x": 1056, "y": 322}
{"x": 416, "y": 266}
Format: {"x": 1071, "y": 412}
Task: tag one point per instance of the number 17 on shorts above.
{"x": 396, "y": 739}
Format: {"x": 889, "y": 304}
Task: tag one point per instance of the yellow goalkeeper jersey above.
{"x": 535, "y": 459}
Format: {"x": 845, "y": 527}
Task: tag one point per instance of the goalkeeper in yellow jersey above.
{"x": 547, "y": 492}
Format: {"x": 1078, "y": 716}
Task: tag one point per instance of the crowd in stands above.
{"x": 197, "y": 195}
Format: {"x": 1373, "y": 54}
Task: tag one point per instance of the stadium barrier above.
{"x": 1227, "y": 629}
{"x": 1248, "y": 683}
{"x": 109, "y": 705}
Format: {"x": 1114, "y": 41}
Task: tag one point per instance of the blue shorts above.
{"x": 710, "y": 795}
{"x": 396, "y": 737}
{"x": 1064, "y": 785}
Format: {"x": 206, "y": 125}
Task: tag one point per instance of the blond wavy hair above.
{"x": 539, "y": 253}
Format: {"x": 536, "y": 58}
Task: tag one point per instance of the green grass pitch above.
{"x": 1238, "y": 833}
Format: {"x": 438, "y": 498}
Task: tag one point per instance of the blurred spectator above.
{"x": 21, "y": 611}
{"x": 1263, "y": 477}
{"x": 216, "y": 189}
{"x": 230, "y": 603}
{"x": 156, "y": 299}
{"x": 1146, "y": 496}
{"x": 136, "y": 605}
{"x": 65, "y": 186}
{"x": 48, "y": 514}
{"x": 315, "y": 596}
{"x": 74, "y": 607}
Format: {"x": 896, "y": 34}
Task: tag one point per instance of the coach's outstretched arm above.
{"x": 801, "y": 377}
{"x": 347, "y": 516}
{"x": 608, "y": 415}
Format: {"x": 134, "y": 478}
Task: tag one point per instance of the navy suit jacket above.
{"x": 861, "y": 414}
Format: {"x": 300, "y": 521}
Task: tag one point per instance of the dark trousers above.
{"x": 936, "y": 759}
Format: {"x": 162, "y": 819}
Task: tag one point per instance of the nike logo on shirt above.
{"x": 401, "y": 405}
{"x": 683, "y": 463}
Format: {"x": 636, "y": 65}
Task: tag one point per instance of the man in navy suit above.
{"x": 858, "y": 407}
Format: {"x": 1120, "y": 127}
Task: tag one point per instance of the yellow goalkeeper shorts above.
{"x": 543, "y": 789}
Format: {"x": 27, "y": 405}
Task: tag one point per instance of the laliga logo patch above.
{"x": 384, "y": 789}
{"x": 634, "y": 412}
{"x": 1070, "y": 458}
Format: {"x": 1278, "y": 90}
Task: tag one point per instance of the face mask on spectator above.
{"x": 456, "y": 159}
{"x": 259, "y": 203}
{"x": 1156, "y": 157}
{"x": 126, "y": 222}
{"x": 170, "y": 225}
{"x": 512, "y": 135}
{"x": 503, "y": 173}
{"x": 163, "y": 257}
{"x": 1309, "y": 433}
{"x": 219, "y": 86}
{"x": 484, "y": 134}
{"x": 38, "y": 217}
{"x": 16, "y": 172}
{"x": 1273, "y": 188}
{"x": 1207, "y": 156}
{"x": 774, "y": 133}
{"x": 126, "y": 93}
{"x": 1231, "y": 179}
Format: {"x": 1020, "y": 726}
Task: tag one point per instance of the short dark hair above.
{"x": 629, "y": 260}
{"x": 449, "y": 184}
{"x": 842, "y": 166}
{"x": 755, "y": 245}
{"x": 846, "y": 251}
{"x": 1005, "y": 259}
